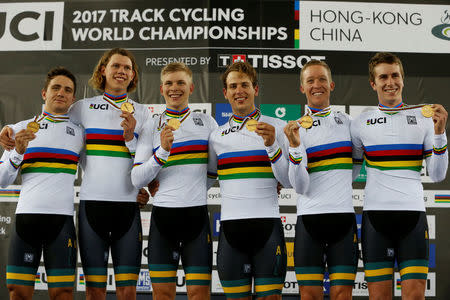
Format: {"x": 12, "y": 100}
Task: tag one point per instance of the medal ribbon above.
{"x": 115, "y": 100}
{"x": 39, "y": 118}
{"x": 256, "y": 114}
{"x": 173, "y": 114}
{"x": 320, "y": 113}
{"x": 55, "y": 118}
{"x": 400, "y": 107}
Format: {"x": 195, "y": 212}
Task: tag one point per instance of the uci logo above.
{"x": 229, "y": 130}
{"x": 316, "y": 123}
{"x": 376, "y": 121}
{"x": 31, "y": 26}
{"x": 103, "y": 106}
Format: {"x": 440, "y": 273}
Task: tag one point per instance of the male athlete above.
{"x": 250, "y": 152}
{"x": 46, "y": 153}
{"x": 394, "y": 139}
{"x": 174, "y": 149}
{"x": 325, "y": 233}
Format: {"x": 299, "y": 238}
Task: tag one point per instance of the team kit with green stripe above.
{"x": 109, "y": 215}
{"x": 181, "y": 198}
{"x": 326, "y": 224}
{"x": 320, "y": 170}
{"x": 251, "y": 241}
{"x": 48, "y": 169}
{"x": 394, "y": 226}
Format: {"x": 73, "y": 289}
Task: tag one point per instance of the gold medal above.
{"x": 33, "y": 126}
{"x": 174, "y": 123}
{"x": 251, "y": 125}
{"x": 427, "y": 111}
{"x": 306, "y": 121}
{"x": 128, "y": 107}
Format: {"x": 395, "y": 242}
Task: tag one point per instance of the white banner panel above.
{"x": 358, "y": 26}
{"x": 31, "y": 26}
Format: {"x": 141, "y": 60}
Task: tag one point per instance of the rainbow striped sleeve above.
{"x": 9, "y": 193}
{"x": 106, "y": 142}
{"x": 49, "y": 160}
{"x": 295, "y": 160}
{"x": 244, "y": 164}
{"x": 276, "y": 156}
{"x": 160, "y": 161}
{"x": 395, "y": 156}
{"x": 15, "y": 166}
{"x": 439, "y": 151}
{"x": 188, "y": 153}
{"x": 427, "y": 153}
{"x": 331, "y": 156}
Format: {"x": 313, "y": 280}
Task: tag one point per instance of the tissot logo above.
{"x": 31, "y": 26}
{"x": 266, "y": 61}
{"x": 227, "y": 59}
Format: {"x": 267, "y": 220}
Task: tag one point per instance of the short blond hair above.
{"x": 176, "y": 67}
{"x": 315, "y": 62}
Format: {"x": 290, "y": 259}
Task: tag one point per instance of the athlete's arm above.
{"x": 357, "y": 149}
{"x": 133, "y": 125}
{"x": 212, "y": 162}
{"x": 146, "y": 163}
{"x": 298, "y": 175}
{"x": 6, "y": 138}
{"x": 212, "y": 156}
{"x": 277, "y": 150}
{"x": 11, "y": 160}
{"x": 436, "y": 143}
{"x": 9, "y": 167}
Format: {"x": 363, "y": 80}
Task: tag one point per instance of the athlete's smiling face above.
{"x": 241, "y": 93}
{"x": 118, "y": 74}
{"x": 59, "y": 95}
{"x": 388, "y": 84}
{"x": 317, "y": 86}
{"x": 176, "y": 87}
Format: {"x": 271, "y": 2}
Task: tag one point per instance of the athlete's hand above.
{"x": 279, "y": 187}
{"x": 23, "y": 137}
{"x": 167, "y": 137}
{"x": 267, "y": 132}
{"x": 153, "y": 187}
{"x": 291, "y": 130}
{"x": 6, "y": 140}
{"x": 142, "y": 197}
{"x": 128, "y": 124}
{"x": 440, "y": 118}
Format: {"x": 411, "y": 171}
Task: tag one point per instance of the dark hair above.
{"x": 386, "y": 58}
{"x": 60, "y": 71}
{"x": 241, "y": 67}
{"x": 97, "y": 80}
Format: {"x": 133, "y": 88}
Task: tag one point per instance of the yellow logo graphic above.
{"x": 278, "y": 250}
